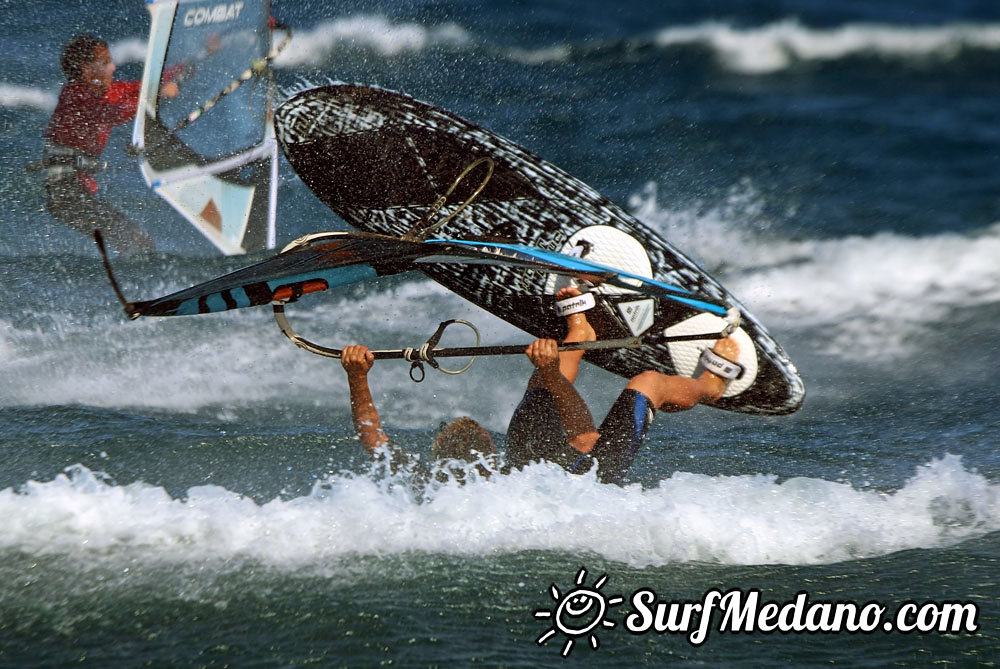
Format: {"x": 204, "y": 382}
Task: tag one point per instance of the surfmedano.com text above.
{"x": 743, "y": 612}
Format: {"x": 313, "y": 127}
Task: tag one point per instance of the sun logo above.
{"x": 578, "y": 612}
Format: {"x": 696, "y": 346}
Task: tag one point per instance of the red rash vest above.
{"x": 83, "y": 120}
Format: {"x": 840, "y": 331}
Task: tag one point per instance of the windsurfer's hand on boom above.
{"x": 356, "y": 360}
{"x": 544, "y": 354}
{"x": 169, "y": 89}
{"x": 462, "y": 439}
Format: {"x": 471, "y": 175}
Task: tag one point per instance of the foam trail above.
{"x": 777, "y": 46}
{"x": 753, "y": 50}
{"x": 687, "y": 518}
{"x": 240, "y": 359}
{"x": 132, "y": 50}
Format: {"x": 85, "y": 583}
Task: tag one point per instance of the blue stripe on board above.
{"x": 573, "y": 263}
{"x": 569, "y": 262}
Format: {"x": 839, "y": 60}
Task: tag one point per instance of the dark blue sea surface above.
{"x": 188, "y": 492}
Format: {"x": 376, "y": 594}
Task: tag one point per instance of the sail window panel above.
{"x": 210, "y": 51}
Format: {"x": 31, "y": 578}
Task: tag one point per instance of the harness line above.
{"x": 420, "y": 231}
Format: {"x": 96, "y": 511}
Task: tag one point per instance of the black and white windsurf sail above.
{"x": 210, "y": 151}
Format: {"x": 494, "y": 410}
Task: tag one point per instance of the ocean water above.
{"x": 187, "y": 492}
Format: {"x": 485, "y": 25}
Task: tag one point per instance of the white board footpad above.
{"x": 687, "y": 355}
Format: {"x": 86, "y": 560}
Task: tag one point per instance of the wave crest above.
{"x": 778, "y": 46}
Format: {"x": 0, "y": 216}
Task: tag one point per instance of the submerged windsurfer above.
{"x": 90, "y": 104}
{"x": 461, "y": 439}
{"x": 552, "y": 421}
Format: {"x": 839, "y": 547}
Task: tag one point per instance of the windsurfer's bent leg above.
{"x": 71, "y": 205}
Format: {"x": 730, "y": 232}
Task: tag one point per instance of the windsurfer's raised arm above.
{"x": 357, "y": 361}
{"x": 573, "y": 412}
{"x": 172, "y": 76}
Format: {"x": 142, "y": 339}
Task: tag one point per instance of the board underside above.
{"x": 382, "y": 161}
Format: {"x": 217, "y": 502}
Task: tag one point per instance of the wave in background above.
{"x": 745, "y": 50}
{"x": 749, "y": 50}
{"x": 872, "y": 296}
{"x": 378, "y": 33}
{"x": 781, "y": 45}
{"x": 13, "y": 97}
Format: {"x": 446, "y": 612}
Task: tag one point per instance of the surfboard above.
{"x": 210, "y": 151}
{"x": 389, "y": 164}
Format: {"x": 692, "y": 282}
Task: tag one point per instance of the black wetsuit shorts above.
{"x": 536, "y": 433}
{"x": 71, "y": 204}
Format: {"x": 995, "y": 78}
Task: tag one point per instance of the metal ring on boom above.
{"x": 416, "y": 357}
{"x": 426, "y": 352}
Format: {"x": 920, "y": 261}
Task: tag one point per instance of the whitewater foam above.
{"x": 781, "y": 45}
{"x": 778, "y": 46}
{"x": 870, "y": 295}
{"x": 23, "y": 96}
{"x": 240, "y": 359}
{"x": 132, "y": 50}
{"x": 687, "y": 518}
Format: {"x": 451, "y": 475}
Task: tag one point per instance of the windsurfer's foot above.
{"x": 669, "y": 393}
{"x": 578, "y": 328}
{"x": 715, "y": 385}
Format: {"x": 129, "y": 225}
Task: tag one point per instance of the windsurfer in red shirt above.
{"x": 90, "y": 104}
